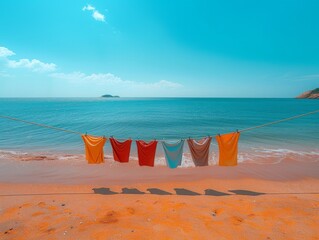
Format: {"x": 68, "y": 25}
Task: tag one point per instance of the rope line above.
{"x": 279, "y": 121}
{"x": 79, "y": 133}
{"x": 40, "y": 125}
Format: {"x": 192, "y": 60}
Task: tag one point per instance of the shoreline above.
{"x": 37, "y": 169}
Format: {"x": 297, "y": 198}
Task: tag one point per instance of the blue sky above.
{"x": 162, "y": 48}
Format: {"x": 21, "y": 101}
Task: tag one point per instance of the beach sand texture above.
{"x": 250, "y": 201}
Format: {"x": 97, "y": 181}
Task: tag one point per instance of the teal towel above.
{"x": 173, "y": 153}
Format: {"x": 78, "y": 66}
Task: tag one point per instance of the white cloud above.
{"x": 100, "y": 79}
{"x": 5, "y": 52}
{"x": 34, "y": 65}
{"x": 98, "y": 16}
{"x": 95, "y": 13}
{"x": 111, "y": 79}
{"x": 308, "y": 77}
{"x": 88, "y": 7}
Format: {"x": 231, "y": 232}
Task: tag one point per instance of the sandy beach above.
{"x": 159, "y": 120}
{"x": 73, "y": 200}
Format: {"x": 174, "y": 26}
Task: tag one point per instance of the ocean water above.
{"x": 162, "y": 118}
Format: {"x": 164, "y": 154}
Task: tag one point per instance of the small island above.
{"x": 109, "y": 96}
{"x": 312, "y": 94}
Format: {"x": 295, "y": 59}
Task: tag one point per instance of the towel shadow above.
{"x": 158, "y": 191}
{"x": 131, "y": 191}
{"x": 212, "y": 192}
{"x": 183, "y": 191}
{"x": 246, "y": 192}
{"x": 103, "y": 191}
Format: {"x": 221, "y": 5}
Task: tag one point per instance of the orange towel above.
{"x": 228, "y": 148}
{"x": 94, "y": 148}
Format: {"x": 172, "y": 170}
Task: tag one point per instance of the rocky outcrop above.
{"x": 312, "y": 94}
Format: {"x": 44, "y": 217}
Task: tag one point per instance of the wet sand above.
{"x": 73, "y": 200}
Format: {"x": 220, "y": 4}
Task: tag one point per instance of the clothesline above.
{"x": 40, "y": 125}
{"x": 161, "y": 140}
{"x": 279, "y": 121}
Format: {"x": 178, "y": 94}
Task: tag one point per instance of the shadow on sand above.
{"x": 183, "y": 192}
{"x": 157, "y": 191}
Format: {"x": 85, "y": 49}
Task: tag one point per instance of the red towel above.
{"x": 146, "y": 152}
{"x": 121, "y": 150}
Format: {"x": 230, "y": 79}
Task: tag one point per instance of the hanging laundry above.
{"x": 173, "y": 153}
{"x": 121, "y": 150}
{"x": 94, "y": 148}
{"x": 200, "y": 150}
{"x": 228, "y": 148}
{"x": 146, "y": 152}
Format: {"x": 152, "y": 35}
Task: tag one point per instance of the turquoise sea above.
{"x": 162, "y": 118}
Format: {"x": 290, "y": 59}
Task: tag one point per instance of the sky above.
{"x": 158, "y": 48}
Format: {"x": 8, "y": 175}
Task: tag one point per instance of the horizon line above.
{"x": 160, "y": 97}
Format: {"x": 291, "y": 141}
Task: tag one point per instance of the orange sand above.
{"x": 287, "y": 210}
{"x": 74, "y": 200}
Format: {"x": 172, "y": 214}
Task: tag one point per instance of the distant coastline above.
{"x": 312, "y": 94}
{"x": 109, "y": 96}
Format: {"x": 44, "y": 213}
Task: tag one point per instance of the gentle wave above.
{"x": 256, "y": 156}
{"x": 276, "y": 155}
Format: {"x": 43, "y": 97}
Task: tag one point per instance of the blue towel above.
{"x": 173, "y": 153}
